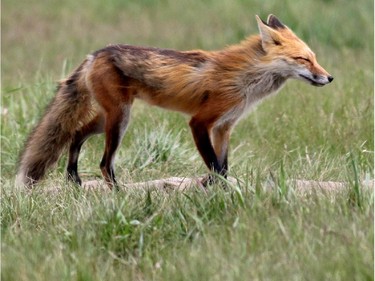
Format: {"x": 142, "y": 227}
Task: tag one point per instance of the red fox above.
{"x": 214, "y": 88}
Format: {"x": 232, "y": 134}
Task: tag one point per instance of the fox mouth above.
{"x": 312, "y": 82}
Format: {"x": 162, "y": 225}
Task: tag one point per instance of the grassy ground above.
{"x": 245, "y": 233}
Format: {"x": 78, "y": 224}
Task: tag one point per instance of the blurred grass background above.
{"x": 43, "y": 41}
{"x": 38, "y": 36}
{"x": 303, "y": 132}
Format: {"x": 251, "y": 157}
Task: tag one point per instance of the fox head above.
{"x": 289, "y": 54}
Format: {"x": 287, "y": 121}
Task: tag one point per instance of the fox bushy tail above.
{"x": 67, "y": 112}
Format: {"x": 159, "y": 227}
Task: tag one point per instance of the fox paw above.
{"x": 207, "y": 180}
{"x": 213, "y": 180}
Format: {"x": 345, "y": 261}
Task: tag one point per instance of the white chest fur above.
{"x": 254, "y": 90}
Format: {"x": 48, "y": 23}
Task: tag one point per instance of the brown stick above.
{"x": 182, "y": 184}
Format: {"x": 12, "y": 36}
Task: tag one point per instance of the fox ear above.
{"x": 274, "y": 22}
{"x": 267, "y": 33}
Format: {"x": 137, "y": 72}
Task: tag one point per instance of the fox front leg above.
{"x": 201, "y": 135}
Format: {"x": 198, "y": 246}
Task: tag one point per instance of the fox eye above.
{"x": 302, "y": 58}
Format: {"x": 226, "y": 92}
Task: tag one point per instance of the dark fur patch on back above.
{"x": 144, "y": 53}
{"x": 192, "y": 58}
{"x": 205, "y": 96}
{"x": 138, "y": 62}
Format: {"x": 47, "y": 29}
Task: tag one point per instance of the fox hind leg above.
{"x": 95, "y": 126}
{"x": 115, "y": 127}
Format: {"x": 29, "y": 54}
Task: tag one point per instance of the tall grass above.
{"x": 247, "y": 232}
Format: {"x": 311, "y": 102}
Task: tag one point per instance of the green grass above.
{"x": 244, "y": 233}
{"x": 191, "y": 236}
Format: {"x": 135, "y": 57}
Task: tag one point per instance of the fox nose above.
{"x": 330, "y": 79}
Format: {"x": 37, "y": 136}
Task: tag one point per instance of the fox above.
{"x": 215, "y": 89}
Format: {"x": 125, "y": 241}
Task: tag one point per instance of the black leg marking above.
{"x": 94, "y": 127}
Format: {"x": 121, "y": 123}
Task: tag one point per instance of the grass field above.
{"x": 243, "y": 233}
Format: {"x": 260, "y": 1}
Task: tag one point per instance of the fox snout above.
{"x": 314, "y": 74}
{"x": 318, "y": 75}
{"x": 316, "y": 80}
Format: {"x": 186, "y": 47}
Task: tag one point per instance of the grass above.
{"x": 221, "y": 235}
{"x": 244, "y": 233}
